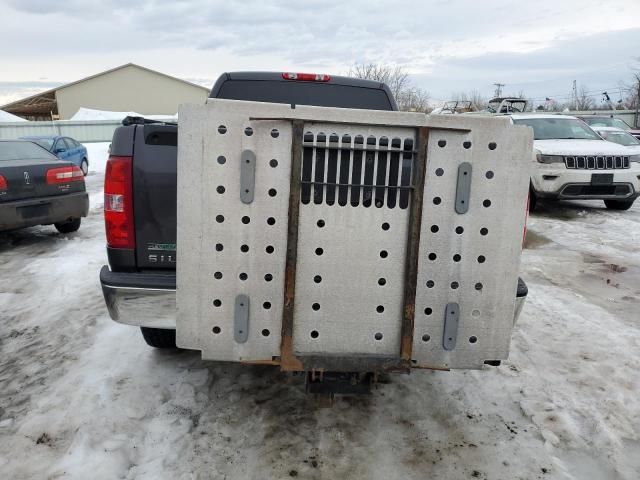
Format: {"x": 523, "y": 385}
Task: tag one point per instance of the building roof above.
{"x": 47, "y": 97}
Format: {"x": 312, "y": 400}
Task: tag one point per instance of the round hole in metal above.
{"x": 489, "y": 174}
{"x": 268, "y": 277}
{"x": 273, "y": 163}
{"x": 437, "y": 200}
{"x": 220, "y": 189}
{"x": 217, "y": 302}
{"x": 481, "y": 259}
{"x": 426, "y": 338}
{"x": 492, "y": 146}
{"x": 244, "y": 248}
{"x": 459, "y": 230}
{"x": 248, "y": 131}
{"x": 439, "y": 172}
{"x": 442, "y": 143}
{"x": 217, "y": 275}
{"x": 269, "y": 249}
{"x": 275, "y": 133}
{"x": 466, "y": 144}
{"x": 478, "y": 286}
{"x": 434, "y": 228}
{"x": 314, "y": 334}
{"x": 222, "y": 129}
{"x": 246, "y": 220}
{"x": 319, "y": 251}
{"x": 428, "y": 311}
{"x": 486, "y": 203}
{"x": 243, "y": 276}
{"x": 219, "y": 218}
{"x": 382, "y": 281}
{"x": 271, "y": 221}
{"x": 384, "y": 254}
{"x": 378, "y": 336}
{"x": 222, "y": 160}
{"x": 316, "y": 307}
{"x": 273, "y": 192}
{"x": 216, "y": 330}
{"x": 380, "y": 308}
{"x": 266, "y": 305}
{"x": 473, "y": 339}
{"x": 265, "y": 332}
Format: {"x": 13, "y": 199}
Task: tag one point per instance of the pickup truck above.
{"x": 140, "y": 209}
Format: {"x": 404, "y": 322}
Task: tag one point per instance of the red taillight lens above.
{"x": 118, "y": 203}
{"x": 306, "y": 77}
{"x": 56, "y": 176}
{"x": 3, "y": 183}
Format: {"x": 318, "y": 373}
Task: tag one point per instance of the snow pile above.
{"x": 9, "y": 117}
{"x": 86, "y": 114}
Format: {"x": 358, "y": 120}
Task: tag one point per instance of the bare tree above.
{"x": 583, "y": 100}
{"x": 478, "y": 101}
{"x": 408, "y": 97}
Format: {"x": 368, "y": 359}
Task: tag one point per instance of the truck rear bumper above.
{"x": 140, "y": 299}
{"x": 43, "y": 211}
{"x": 149, "y": 299}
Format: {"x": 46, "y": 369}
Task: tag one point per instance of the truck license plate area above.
{"x": 601, "y": 178}
{"x": 312, "y": 267}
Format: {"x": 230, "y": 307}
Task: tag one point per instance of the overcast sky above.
{"x": 538, "y": 47}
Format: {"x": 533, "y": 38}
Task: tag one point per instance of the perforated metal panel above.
{"x": 347, "y": 291}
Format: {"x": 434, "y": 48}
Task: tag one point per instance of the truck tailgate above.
{"x": 341, "y": 240}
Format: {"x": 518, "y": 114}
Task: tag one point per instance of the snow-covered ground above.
{"x": 83, "y": 397}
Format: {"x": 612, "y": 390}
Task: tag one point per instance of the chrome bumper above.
{"x": 142, "y": 300}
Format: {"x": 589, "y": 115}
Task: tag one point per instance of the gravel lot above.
{"x": 83, "y": 397}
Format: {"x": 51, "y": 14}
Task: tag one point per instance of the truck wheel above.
{"x": 159, "y": 337}
{"x": 68, "y": 227}
{"x": 84, "y": 166}
{"x": 619, "y": 204}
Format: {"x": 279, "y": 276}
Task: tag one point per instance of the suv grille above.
{"x": 608, "y": 162}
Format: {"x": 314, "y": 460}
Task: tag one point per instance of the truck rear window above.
{"x": 305, "y": 93}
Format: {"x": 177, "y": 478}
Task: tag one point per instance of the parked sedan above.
{"x": 620, "y": 137}
{"x": 64, "y": 148}
{"x": 37, "y": 188}
{"x": 595, "y": 121}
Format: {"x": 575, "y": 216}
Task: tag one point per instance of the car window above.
{"x": 22, "y": 151}
{"x": 46, "y": 143}
{"x": 71, "y": 142}
{"x": 621, "y": 138}
{"x": 62, "y": 144}
{"x": 558, "y": 128}
{"x": 607, "y": 122}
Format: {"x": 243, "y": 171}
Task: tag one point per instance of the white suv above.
{"x": 573, "y": 162}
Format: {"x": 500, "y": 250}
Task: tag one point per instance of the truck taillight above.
{"x": 306, "y": 77}
{"x": 118, "y": 203}
{"x": 3, "y": 183}
{"x": 59, "y": 175}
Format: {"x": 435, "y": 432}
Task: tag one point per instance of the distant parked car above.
{"x": 609, "y": 121}
{"x": 36, "y": 188}
{"x": 64, "y": 148}
{"x": 573, "y": 163}
{"x": 620, "y": 137}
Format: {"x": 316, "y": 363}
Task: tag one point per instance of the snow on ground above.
{"x": 84, "y": 397}
{"x": 84, "y": 114}
{"x": 10, "y": 117}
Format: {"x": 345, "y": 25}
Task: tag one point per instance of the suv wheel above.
{"x": 619, "y": 204}
{"x": 69, "y": 226}
{"x": 159, "y": 337}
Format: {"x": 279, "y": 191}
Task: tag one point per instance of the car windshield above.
{"x": 621, "y": 138}
{"x": 607, "y": 122}
{"x": 558, "y": 128}
{"x": 22, "y": 151}
{"x": 45, "y": 143}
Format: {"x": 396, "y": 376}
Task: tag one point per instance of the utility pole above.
{"x": 637, "y": 119}
{"x": 498, "y": 91}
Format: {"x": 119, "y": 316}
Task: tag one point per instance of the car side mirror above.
{"x": 61, "y": 150}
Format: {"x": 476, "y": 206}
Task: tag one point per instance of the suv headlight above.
{"x": 549, "y": 158}
{"x": 634, "y": 158}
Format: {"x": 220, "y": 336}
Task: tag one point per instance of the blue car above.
{"x": 64, "y": 148}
